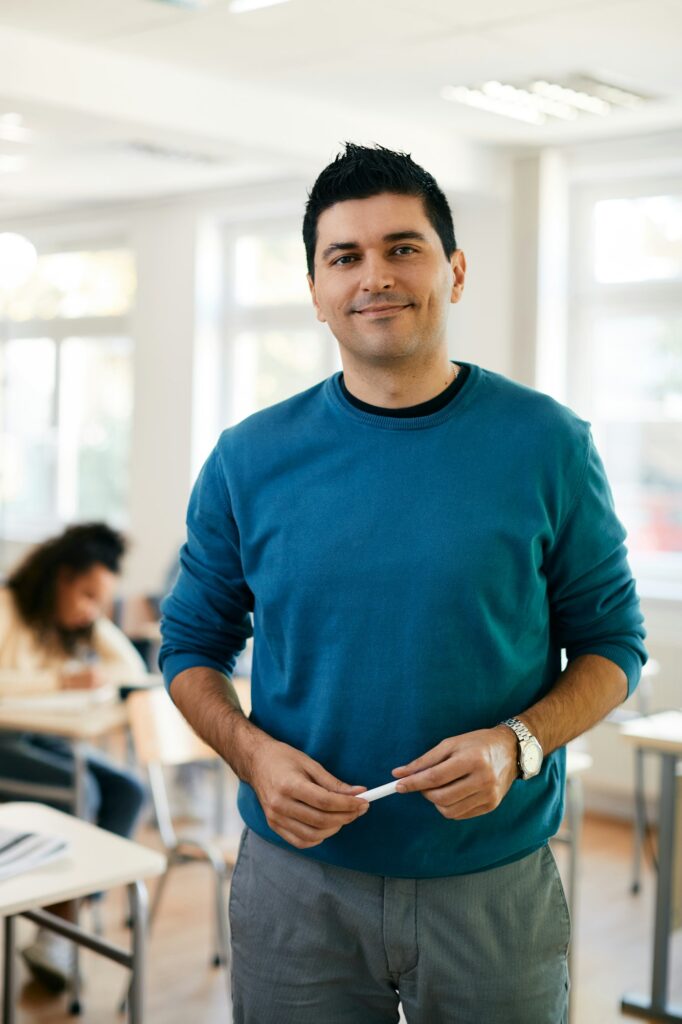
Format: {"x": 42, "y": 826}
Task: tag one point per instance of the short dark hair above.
{"x": 364, "y": 171}
{"x": 78, "y": 548}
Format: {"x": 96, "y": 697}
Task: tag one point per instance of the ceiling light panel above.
{"x": 539, "y": 100}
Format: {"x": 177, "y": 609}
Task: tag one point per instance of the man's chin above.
{"x": 386, "y": 347}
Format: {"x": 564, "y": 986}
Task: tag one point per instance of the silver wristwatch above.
{"x": 529, "y": 750}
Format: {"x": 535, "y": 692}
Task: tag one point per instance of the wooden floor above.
{"x": 612, "y": 942}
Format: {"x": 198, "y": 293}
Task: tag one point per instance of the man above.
{"x": 416, "y": 540}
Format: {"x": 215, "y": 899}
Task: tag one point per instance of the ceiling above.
{"x": 139, "y": 98}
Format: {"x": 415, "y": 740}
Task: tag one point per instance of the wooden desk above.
{"x": 97, "y": 860}
{"x": 79, "y": 728}
{"x": 662, "y": 734}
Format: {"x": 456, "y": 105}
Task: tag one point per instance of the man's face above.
{"x": 382, "y": 280}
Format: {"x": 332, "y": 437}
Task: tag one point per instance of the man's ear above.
{"x": 313, "y": 295}
{"x": 459, "y": 268}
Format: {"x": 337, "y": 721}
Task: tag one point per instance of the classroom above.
{"x": 341, "y": 479}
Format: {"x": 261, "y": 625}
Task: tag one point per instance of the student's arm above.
{"x": 596, "y": 618}
{"x": 119, "y": 662}
{"x": 28, "y": 682}
{"x": 206, "y": 621}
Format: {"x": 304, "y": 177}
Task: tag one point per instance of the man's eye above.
{"x": 409, "y": 248}
{"x": 342, "y": 258}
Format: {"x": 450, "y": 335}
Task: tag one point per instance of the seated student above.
{"x": 54, "y": 635}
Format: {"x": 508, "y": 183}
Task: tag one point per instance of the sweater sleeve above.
{"x": 206, "y": 620}
{"x": 594, "y": 605}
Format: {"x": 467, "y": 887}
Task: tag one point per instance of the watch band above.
{"x": 521, "y": 730}
{"x": 523, "y": 736}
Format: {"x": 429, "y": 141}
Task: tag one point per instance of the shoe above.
{"x": 50, "y": 960}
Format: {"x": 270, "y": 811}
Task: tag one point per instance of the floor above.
{"x": 612, "y": 943}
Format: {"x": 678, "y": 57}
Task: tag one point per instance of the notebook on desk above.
{"x": 23, "y": 851}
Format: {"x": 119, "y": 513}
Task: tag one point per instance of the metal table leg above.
{"x": 9, "y": 973}
{"x": 79, "y": 781}
{"x": 657, "y": 1007}
{"x": 639, "y": 820}
{"x": 137, "y": 893}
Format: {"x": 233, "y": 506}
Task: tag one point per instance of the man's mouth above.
{"x": 373, "y": 312}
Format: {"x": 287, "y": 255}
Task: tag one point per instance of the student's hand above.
{"x": 464, "y": 776}
{"x": 87, "y": 678}
{"x": 302, "y": 801}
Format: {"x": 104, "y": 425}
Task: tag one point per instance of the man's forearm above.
{"x": 209, "y": 702}
{"x": 589, "y": 687}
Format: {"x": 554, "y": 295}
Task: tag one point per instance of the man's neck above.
{"x": 391, "y": 389}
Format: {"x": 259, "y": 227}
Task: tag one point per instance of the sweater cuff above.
{"x": 628, "y": 660}
{"x": 174, "y": 664}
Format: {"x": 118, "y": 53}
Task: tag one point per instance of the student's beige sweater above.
{"x": 27, "y": 666}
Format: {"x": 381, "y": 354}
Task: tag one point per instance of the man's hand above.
{"x": 302, "y": 801}
{"x": 87, "y": 678}
{"x": 464, "y": 776}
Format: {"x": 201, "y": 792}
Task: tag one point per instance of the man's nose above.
{"x": 377, "y": 274}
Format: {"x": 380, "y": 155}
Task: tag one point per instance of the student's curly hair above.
{"x": 364, "y": 171}
{"x": 33, "y": 583}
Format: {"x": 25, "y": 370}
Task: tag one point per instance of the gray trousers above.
{"x": 313, "y": 943}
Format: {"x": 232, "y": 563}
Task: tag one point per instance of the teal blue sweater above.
{"x": 405, "y": 580}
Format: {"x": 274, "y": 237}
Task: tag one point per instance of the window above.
{"x": 66, "y": 393}
{"x": 274, "y": 346}
{"x": 626, "y": 363}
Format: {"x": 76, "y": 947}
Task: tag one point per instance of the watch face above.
{"x": 531, "y": 759}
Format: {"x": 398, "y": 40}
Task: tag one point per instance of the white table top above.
{"x": 79, "y": 725}
{"x": 662, "y": 731}
{"x": 97, "y": 860}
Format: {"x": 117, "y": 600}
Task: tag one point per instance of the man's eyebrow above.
{"x": 394, "y": 236}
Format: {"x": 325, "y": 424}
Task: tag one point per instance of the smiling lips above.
{"x": 373, "y": 312}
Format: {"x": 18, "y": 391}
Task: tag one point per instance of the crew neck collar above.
{"x": 336, "y": 396}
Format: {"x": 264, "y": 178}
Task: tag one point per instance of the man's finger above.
{"x": 316, "y": 792}
{"x": 300, "y": 811}
{"x": 430, "y": 778}
{"x": 427, "y": 760}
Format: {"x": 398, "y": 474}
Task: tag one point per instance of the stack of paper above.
{"x": 23, "y": 851}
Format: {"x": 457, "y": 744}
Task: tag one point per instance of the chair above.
{"x": 162, "y": 738}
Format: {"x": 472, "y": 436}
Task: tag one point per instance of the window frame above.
{"x": 658, "y": 574}
{"x": 236, "y": 318}
{"x": 58, "y": 329}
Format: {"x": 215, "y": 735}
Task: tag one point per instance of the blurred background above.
{"x": 154, "y": 162}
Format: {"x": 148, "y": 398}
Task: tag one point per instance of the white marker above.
{"x": 376, "y": 794}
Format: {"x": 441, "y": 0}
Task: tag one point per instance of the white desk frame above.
{"x": 97, "y": 860}
{"x": 662, "y": 734}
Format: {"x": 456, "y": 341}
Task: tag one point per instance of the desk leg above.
{"x": 574, "y": 813}
{"x": 657, "y": 1008}
{"x": 664, "y": 898}
{"x": 138, "y": 907}
{"x": 640, "y": 823}
{"x": 9, "y": 973}
{"x": 79, "y": 770}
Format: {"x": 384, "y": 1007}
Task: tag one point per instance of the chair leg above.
{"x": 158, "y": 893}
